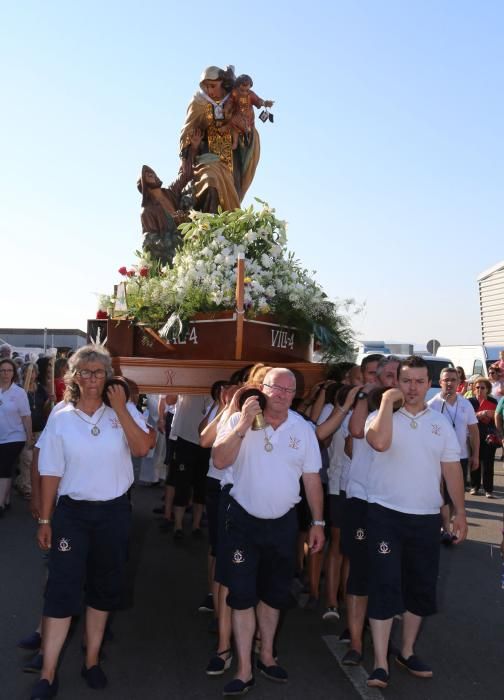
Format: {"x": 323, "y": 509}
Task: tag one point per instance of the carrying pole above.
{"x": 240, "y": 277}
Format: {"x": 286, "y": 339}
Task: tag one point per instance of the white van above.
{"x": 474, "y": 359}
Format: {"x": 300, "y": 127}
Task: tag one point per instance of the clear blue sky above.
{"x": 386, "y": 155}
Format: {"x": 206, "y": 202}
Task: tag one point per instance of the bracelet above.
{"x": 321, "y": 523}
{"x": 341, "y": 410}
{"x": 240, "y": 435}
{"x": 43, "y": 521}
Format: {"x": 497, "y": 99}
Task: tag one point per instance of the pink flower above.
{"x": 122, "y": 270}
{"x": 144, "y": 272}
{"x": 130, "y": 273}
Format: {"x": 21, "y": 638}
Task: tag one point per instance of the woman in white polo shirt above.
{"x": 85, "y": 462}
{"x": 15, "y": 427}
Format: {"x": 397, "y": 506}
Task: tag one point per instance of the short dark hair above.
{"x": 216, "y": 388}
{"x": 415, "y": 362}
{"x": 375, "y": 357}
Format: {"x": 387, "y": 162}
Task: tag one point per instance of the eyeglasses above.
{"x": 492, "y": 371}
{"x": 280, "y": 389}
{"x": 88, "y": 373}
{"x": 480, "y": 387}
{"x": 6, "y": 371}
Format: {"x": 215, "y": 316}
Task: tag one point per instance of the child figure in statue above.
{"x": 243, "y": 102}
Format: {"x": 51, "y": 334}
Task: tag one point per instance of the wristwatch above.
{"x": 318, "y": 522}
{"x": 43, "y": 521}
{"x": 361, "y": 395}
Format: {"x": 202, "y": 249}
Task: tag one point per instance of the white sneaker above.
{"x": 331, "y": 614}
{"x": 489, "y": 495}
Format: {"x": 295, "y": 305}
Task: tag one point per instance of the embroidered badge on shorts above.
{"x": 294, "y": 442}
{"x": 384, "y": 548}
{"x": 360, "y": 534}
{"x": 238, "y": 557}
{"x": 64, "y": 545}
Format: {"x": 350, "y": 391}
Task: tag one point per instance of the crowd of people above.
{"x": 354, "y": 485}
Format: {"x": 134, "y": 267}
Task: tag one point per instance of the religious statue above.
{"x": 225, "y": 164}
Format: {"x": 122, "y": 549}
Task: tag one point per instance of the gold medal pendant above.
{"x": 413, "y": 424}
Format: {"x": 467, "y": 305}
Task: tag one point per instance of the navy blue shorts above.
{"x": 89, "y": 550}
{"x": 336, "y": 509}
{"x": 260, "y": 558}
{"x": 403, "y": 562}
{"x": 221, "y": 567}
{"x": 188, "y": 472}
{"x": 354, "y": 544}
{"x": 212, "y": 496}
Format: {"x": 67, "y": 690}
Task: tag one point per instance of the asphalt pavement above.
{"x": 162, "y": 644}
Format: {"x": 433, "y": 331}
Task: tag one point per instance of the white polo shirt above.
{"x": 225, "y": 476}
{"x": 460, "y": 415}
{"x": 14, "y": 405}
{"x": 338, "y": 461}
{"x": 92, "y": 468}
{"x": 358, "y": 475}
{"x": 190, "y": 411}
{"x": 266, "y": 484}
{"x": 346, "y": 462}
{"x": 407, "y": 476}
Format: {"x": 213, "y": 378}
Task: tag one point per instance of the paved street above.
{"x": 162, "y": 644}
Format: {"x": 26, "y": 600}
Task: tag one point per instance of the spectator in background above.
{"x": 40, "y": 407}
{"x": 60, "y": 368}
{"x": 5, "y": 351}
{"x": 15, "y": 427}
{"x": 497, "y": 381}
{"x": 462, "y": 381}
{"x": 489, "y": 440}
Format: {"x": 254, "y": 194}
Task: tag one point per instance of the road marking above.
{"x": 355, "y": 674}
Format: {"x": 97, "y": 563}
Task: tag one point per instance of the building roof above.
{"x": 40, "y": 331}
{"x": 490, "y": 271}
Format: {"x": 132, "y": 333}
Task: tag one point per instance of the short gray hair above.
{"x": 386, "y": 360}
{"x": 282, "y": 370}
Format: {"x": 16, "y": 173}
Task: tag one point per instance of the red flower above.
{"x": 122, "y": 270}
{"x": 144, "y": 272}
{"x": 130, "y": 273}
{"x": 101, "y": 314}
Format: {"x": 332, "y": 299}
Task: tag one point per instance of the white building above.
{"x": 491, "y": 299}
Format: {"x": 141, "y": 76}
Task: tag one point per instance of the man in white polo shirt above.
{"x": 261, "y": 522}
{"x": 461, "y": 415}
{"x": 414, "y": 447}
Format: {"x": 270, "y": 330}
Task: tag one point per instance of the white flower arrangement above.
{"x": 203, "y": 278}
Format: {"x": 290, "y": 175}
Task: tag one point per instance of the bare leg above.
{"x": 267, "y": 620}
{"x": 197, "y": 510}
{"x": 178, "y": 512}
{"x": 4, "y": 490}
{"x": 411, "y": 627}
{"x": 224, "y": 619}
{"x": 95, "y": 629}
{"x": 334, "y": 562}
{"x": 244, "y": 624}
{"x": 54, "y": 633}
{"x": 380, "y": 629}
{"x": 356, "y": 614}
{"x": 314, "y": 568}
{"x": 168, "y": 502}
